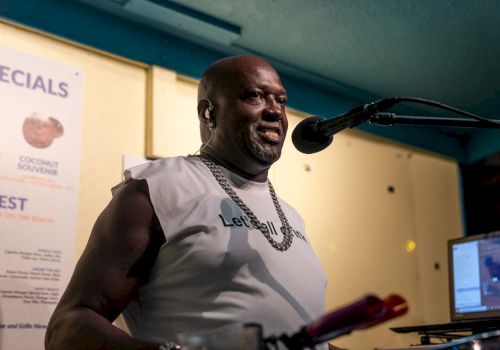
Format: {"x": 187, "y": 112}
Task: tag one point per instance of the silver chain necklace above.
{"x": 287, "y": 229}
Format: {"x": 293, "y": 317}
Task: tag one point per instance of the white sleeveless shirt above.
{"x": 215, "y": 268}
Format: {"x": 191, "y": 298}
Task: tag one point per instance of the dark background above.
{"x": 481, "y": 186}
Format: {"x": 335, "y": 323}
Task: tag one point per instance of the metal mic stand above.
{"x": 389, "y": 119}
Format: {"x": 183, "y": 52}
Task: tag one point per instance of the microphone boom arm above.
{"x": 314, "y": 134}
{"x": 357, "y": 116}
{"x": 389, "y": 119}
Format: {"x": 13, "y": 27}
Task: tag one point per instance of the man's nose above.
{"x": 273, "y": 110}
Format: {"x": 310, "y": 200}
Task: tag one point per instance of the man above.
{"x": 191, "y": 244}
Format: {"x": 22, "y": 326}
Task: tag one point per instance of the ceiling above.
{"x": 446, "y": 50}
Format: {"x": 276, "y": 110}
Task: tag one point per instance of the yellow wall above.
{"x": 358, "y": 228}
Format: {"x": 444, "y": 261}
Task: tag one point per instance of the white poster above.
{"x": 40, "y": 126}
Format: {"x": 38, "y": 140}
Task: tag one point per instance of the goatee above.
{"x": 263, "y": 155}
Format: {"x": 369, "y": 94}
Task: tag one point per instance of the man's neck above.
{"x": 259, "y": 175}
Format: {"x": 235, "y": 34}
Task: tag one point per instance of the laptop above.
{"x": 474, "y": 280}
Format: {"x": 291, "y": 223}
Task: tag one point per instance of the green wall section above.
{"x": 81, "y": 23}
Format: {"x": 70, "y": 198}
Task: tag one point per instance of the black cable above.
{"x": 446, "y": 107}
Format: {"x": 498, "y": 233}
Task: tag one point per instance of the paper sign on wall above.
{"x": 40, "y": 113}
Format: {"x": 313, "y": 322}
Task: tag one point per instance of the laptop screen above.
{"x": 474, "y": 274}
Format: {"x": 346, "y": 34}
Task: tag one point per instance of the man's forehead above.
{"x": 245, "y": 75}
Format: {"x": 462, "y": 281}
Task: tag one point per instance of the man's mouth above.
{"x": 270, "y": 134}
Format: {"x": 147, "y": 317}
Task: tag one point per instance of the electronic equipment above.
{"x": 482, "y": 341}
{"x": 474, "y": 285}
{"x": 474, "y": 271}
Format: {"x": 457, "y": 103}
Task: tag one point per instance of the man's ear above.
{"x": 202, "y": 107}
{"x": 206, "y": 113}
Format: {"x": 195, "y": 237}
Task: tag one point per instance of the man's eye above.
{"x": 255, "y": 94}
{"x": 282, "y": 101}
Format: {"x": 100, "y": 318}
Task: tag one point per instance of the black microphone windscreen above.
{"x": 307, "y": 137}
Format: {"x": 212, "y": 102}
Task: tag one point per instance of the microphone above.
{"x": 314, "y": 134}
{"x": 361, "y": 314}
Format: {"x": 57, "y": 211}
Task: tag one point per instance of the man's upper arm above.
{"x": 119, "y": 255}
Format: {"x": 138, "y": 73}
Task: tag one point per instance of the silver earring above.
{"x": 209, "y": 110}
{"x": 209, "y": 115}
{"x": 210, "y": 105}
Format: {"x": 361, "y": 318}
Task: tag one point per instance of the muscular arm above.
{"x": 117, "y": 260}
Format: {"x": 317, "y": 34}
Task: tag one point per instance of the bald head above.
{"x": 241, "y": 108}
{"x": 225, "y": 72}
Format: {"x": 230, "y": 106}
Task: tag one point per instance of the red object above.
{"x": 363, "y": 313}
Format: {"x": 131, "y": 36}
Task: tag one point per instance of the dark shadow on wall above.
{"x": 481, "y": 189}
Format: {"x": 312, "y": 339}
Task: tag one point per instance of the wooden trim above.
{"x": 149, "y": 136}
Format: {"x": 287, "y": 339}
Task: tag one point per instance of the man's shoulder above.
{"x": 164, "y": 166}
{"x": 155, "y": 172}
